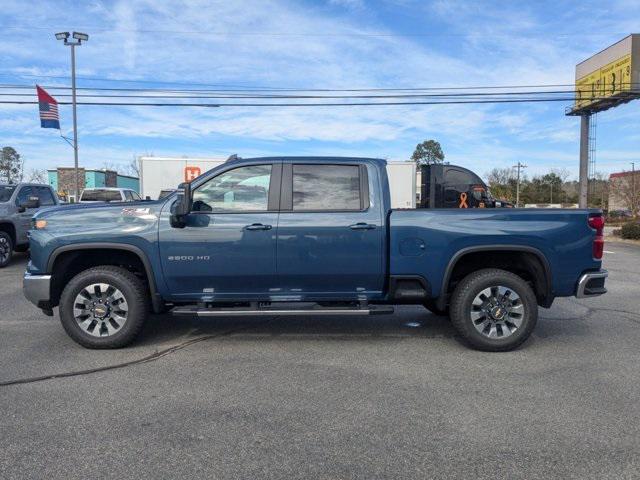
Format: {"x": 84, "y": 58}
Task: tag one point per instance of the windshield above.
{"x": 101, "y": 196}
{"x": 5, "y": 192}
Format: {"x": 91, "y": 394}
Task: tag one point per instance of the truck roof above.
{"x": 308, "y": 159}
{"x": 27, "y": 184}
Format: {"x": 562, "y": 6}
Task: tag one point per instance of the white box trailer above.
{"x": 402, "y": 184}
{"x": 165, "y": 173}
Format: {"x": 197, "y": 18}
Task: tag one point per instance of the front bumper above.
{"x": 591, "y": 284}
{"x": 37, "y": 289}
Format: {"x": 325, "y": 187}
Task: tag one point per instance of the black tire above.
{"x": 6, "y": 249}
{"x": 134, "y": 292}
{"x": 21, "y": 248}
{"x": 473, "y": 285}
{"x": 433, "y": 308}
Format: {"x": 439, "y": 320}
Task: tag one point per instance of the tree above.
{"x": 132, "y": 168}
{"x": 428, "y": 152}
{"x": 11, "y": 165}
{"x": 502, "y": 182}
{"x": 36, "y": 175}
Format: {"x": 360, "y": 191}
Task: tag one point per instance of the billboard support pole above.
{"x": 584, "y": 159}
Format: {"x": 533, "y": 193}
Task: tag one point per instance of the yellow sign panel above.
{"x": 608, "y": 81}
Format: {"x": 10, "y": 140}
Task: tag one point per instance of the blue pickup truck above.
{"x": 306, "y": 236}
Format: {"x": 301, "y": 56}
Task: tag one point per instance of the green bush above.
{"x": 630, "y": 231}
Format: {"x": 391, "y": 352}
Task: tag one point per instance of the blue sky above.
{"x": 317, "y": 44}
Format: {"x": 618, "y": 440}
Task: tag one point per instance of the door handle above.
{"x": 362, "y": 226}
{"x": 258, "y": 226}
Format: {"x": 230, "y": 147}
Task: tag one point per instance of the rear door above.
{"x": 330, "y": 238}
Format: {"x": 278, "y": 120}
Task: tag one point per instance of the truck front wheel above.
{"x": 6, "y": 249}
{"x": 104, "y": 307}
{"x": 494, "y": 310}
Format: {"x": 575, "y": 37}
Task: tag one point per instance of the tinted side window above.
{"x": 326, "y": 187}
{"x": 240, "y": 189}
{"x": 135, "y": 195}
{"x": 44, "y": 195}
{"x": 127, "y": 196}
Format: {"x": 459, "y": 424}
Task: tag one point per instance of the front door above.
{"x": 330, "y": 236}
{"x": 228, "y": 248}
{"x": 26, "y": 192}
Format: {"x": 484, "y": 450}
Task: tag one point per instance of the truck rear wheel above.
{"x": 6, "y": 249}
{"x": 104, "y": 307}
{"x": 494, "y": 310}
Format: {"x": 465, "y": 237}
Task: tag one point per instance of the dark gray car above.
{"x": 18, "y": 203}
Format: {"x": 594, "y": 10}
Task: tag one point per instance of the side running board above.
{"x": 281, "y": 311}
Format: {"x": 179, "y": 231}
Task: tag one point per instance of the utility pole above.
{"x": 634, "y": 203}
{"x": 584, "y": 160}
{"x": 519, "y": 166}
{"x": 79, "y": 37}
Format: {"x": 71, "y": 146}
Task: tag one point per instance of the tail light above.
{"x": 597, "y": 223}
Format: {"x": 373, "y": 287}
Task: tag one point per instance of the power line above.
{"x": 315, "y": 104}
{"x": 235, "y": 87}
{"x": 236, "y": 33}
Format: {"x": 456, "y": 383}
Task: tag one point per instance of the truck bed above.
{"x": 429, "y": 241}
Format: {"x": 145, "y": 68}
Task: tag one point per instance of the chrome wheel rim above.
{"x": 5, "y": 249}
{"x": 100, "y": 310}
{"x": 497, "y": 312}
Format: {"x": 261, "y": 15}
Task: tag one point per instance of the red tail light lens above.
{"x": 597, "y": 223}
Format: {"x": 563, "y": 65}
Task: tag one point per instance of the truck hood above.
{"x": 104, "y": 222}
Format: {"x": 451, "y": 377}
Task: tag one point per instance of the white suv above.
{"x": 93, "y": 195}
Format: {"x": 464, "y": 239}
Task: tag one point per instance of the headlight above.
{"x": 39, "y": 224}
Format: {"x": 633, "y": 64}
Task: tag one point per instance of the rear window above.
{"x": 101, "y": 196}
{"x": 326, "y": 187}
{"x": 44, "y": 195}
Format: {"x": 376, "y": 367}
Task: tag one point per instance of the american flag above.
{"x": 48, "y": 109}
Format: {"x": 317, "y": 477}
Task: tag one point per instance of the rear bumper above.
{"x": 36, "y": 289}
{"x": 591, "y": 284}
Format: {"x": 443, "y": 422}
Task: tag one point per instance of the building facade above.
{"x": 62, "y": 179}
{"x": 624, "y": 191}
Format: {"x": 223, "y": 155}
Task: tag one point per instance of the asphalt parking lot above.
{"x": 385, "y": 397}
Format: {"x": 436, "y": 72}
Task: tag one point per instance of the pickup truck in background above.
{"x": 306, "y": 236}
{"x": 18, "y": 203}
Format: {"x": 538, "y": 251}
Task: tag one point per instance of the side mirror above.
{"x": 30, "y": 202}
{"x": 182, "y": 205}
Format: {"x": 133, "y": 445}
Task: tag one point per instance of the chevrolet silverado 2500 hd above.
{"x": 306, "y": 236}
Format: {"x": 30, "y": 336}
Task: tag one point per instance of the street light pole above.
{"x": 79, "y": 37}
{"x": 75, "y": 119}
{"x": 519, "y": 166}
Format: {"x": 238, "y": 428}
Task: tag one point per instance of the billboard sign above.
{"x": 610, "y": 77}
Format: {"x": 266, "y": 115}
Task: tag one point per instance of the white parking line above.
{"x": 607, "y": 251}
